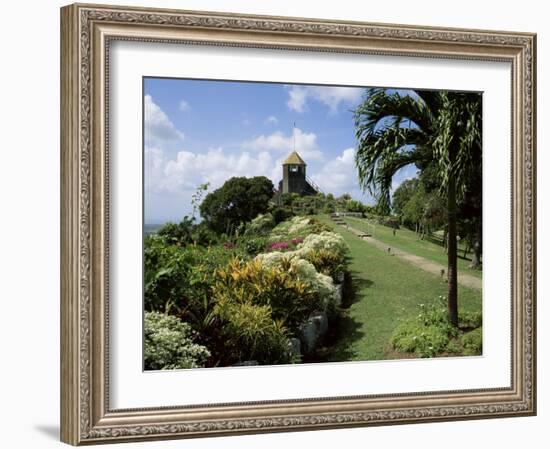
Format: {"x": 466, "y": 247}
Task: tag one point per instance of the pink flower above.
{"x": 277, "y": 246}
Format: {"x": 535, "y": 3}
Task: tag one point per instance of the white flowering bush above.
{"x": 296, "y": 227}
{"x": 322, "y": 283}
{"x": 304, "y": 270}
{"x": 298, "y": 224}
{"x": 273, "y": 259}
{"x": 169, "y": 344}
{"x": 326, "y": 240}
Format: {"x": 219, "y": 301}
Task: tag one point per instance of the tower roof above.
{"x": 294, "y": 159}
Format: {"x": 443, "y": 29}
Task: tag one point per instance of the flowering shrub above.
{"x": 298, "y": 224}
{"x": 326, "y": 240}
{"x": 278, "y": 246}
{"x": 169, "y": 344}
{"x": 296, "y": 227}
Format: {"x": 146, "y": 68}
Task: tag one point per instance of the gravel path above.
{"x": 466, "y": 280}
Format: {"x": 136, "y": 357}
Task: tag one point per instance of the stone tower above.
{"x": 294, "y": 176}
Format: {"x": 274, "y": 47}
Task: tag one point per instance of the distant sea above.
{"x": 149, "y": 229}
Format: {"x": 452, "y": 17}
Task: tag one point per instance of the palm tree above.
{"x": 440, "y": 130}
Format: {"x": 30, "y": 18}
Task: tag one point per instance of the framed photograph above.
{"x": 278, "y": 224}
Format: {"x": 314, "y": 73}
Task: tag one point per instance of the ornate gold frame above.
{"x": 86, "y": 31}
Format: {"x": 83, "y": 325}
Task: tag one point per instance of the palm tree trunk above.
{"x": 452, "y": 295}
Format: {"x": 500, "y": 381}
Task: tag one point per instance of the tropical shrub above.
{"x": 179, "y": 280}
{"x": 290, "y": 298}
{"x": 431, "y": 333}
{"x": 253, "y": 245}
{"x": 178, "y": 233}
{"x": 472, "y": 342}
{"x": 280, "y": 214}
{"x": 250, "y": 333}
{"x": 427, "y": 334}
{"x": 426, "y": 341}
{"x": 204, "y": 236}
{"x": 260, "y": 226}
{"x": 327, "y": 262}
{"x": 303, "y": 270}
{"x": 165, "y": 268}
{"x": 168, "y": 344}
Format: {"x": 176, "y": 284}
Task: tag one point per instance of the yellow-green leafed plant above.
{"x": 291, "y": 300}
{"x": 327, "y": 262}
{"x": 300, "y": 268}
{"x": 251, "y": 333}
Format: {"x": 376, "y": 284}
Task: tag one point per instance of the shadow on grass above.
{"x": 344, "y": 330}
{"x": 354, "y": 284}
{"x": 438, "y": 241}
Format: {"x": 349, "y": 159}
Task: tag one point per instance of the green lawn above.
{"x": 406, "y": 240}
{"x": 387, "y": 290}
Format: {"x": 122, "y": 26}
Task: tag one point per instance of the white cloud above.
{"x": 272, "y": 120}
{"x": 338, "y": 175}
{"x": 184, "y": 106}
{"x": 298, "y": 97}
{"x": 305, "y": 144}
{"x": 182, "y": 174}
{"x": 159, "y": 128}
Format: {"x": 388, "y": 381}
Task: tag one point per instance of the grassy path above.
{"x": 387, "y": 290}
{"x": 425, "y": 264}
{"x": 407, "y": 241}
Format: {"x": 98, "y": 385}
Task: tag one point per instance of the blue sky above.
{"x": 199, "y": 131}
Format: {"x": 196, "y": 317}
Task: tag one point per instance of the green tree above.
{"x": 238, "y": 201}
{"x": 413, "y": 211}
{"x": 178, "y": 233}
{"x": 436, "y": 129}
{"x": 403, "y": 194}
{"x": 355, "y": 206}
